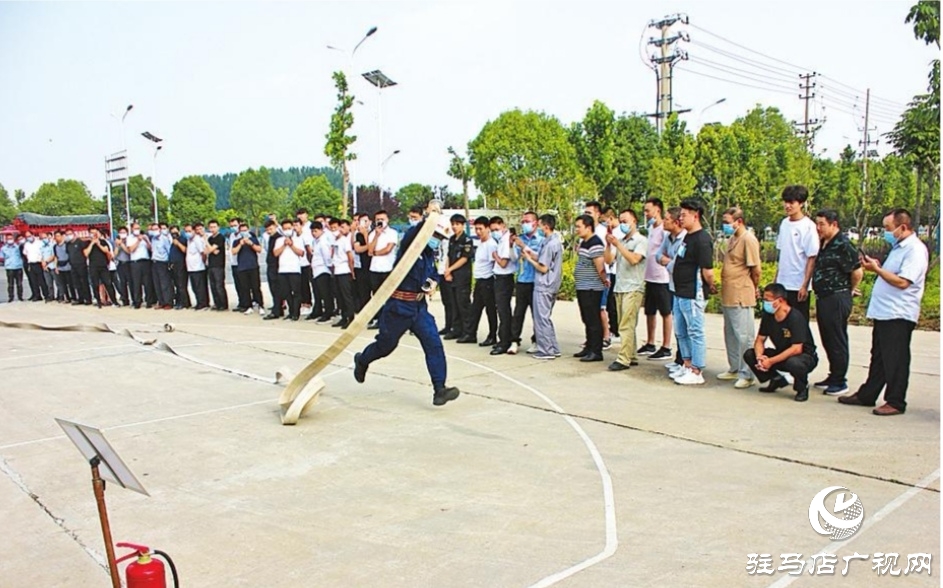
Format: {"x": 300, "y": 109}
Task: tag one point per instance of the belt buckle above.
{"x": 420, "y": 296}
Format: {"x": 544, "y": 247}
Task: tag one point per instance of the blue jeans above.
{"x": 689, "y": 328}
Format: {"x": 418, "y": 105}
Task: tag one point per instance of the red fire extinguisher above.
{"x": 146, "y": 572}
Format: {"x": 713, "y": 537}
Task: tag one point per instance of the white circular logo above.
{"x": 841, "y": 522}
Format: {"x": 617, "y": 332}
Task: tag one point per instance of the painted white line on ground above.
{"x": 66, "y": 352}
{"x": 890, "y": 507}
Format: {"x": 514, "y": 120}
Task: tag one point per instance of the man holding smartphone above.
{"x": 381, "y": 247}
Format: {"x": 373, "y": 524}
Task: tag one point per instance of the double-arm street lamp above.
{"x": 156, "y": 140}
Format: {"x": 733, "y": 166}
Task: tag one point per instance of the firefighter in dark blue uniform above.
{"x": 406, "y": 310}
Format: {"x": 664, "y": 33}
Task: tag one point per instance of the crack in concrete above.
{"x": 17, "y": 480}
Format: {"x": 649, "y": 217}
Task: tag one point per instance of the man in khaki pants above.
{"x": 739, "y": 281}
{"x": 629, "y": 253}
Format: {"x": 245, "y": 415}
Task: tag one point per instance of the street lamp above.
{"x": 703, "y": 110}
{"x": 349, "y": 75}
{"x": 124, "y": 147}
{"x": 461, "y": 165}
{"x": 156, "y": 140}
{"x": 380, "y": 80}
{"x": 383, "y": 167}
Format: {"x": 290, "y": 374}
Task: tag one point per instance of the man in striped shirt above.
{"x": 592, "y": 280}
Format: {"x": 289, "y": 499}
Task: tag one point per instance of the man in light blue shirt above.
{"x": 48, "y": 250}
{"x": 160, "y": 265}
{"x": 13, "y": 264}
{"x": 894, "y": 308}
{"x": 524, "y": 290}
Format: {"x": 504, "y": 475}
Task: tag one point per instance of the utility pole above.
{"x": 664, "y": 63}
{"x": 866, "y": 143}
{"x": 807, "y": 96}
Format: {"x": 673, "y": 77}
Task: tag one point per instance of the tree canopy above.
{"x": 317, "y": 195}
{"x": 192, "y": 199}
{"x": 65, "y": 197}
{"x": 253, "y": 195}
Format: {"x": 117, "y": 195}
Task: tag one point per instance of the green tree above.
{"x": 524, "y": 160}
{"x": 141, "y": 198}
{"x": 253, "y": 195}
{"x": 19, "y": 196}
{"x": 462, "y": 170}
{"x": 192, "y": 200}
{"x": 65, "y": 197}
{"x": 317, "y": 195}
{"x": 635, "y": 142}
{"x": 338, "y": 143}
{"x": 671, "y": 172}
{"x": 594, "y": 140}
{"x": 925, "y": 16}
{"x": 7, "y": 207}
{"x": 413, "y": 194}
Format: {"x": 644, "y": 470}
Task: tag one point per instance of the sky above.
{"x": 230, "y": 86}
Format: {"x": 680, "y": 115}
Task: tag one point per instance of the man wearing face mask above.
{"x": 99, "y": 254}
{"x": 178, "y": 266}
{"x": 49, "y": 267}
{"x": 196, "y": 267}
{"x": 160, "y": 266}
{"x": 739, "y": 279}
{"x": 343, "y": 260}
{"x": 33, "y": 252}
{"x": 79, "y": 264}
{"x": 406, "y": 310}
{"x": 122, "y": 258}
{"x": 627, "y": 253}
{"x": 530, "y": 238}
{"x": 138, "y": 248}
{"x": 381, "y": 246}
{"x": 13, "y": 264}
{"x": 63, "y": 270}
{"x": 895, "y": 309}
{"x": 504, "y": 270}
{"x": 793, "y": 350}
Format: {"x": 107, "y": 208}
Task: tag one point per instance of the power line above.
{"x": 768, "y": 89}
{"x": 733, "y": 72}
{"x": 855, "y": 97}
{"x": 778, "y": 78}
{"x": 745, "y": 60}
{"x": 879, "y": 99}
{"x": 792, "y": 65}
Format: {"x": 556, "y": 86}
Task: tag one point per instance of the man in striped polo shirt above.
{"x": 592, "y": 280}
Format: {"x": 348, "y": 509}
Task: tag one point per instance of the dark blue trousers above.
{"x": 399, "y": 316}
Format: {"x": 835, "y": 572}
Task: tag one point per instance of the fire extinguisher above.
{"x": 147, "y": 572}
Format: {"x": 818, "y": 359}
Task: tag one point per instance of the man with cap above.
{"x": 406, "y": 310}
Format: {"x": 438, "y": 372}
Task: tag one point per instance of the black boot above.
{"x": 360, "y": 369}
{"x": 444, "y": 394}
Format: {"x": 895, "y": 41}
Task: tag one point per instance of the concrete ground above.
{"x": 542, "y": 473}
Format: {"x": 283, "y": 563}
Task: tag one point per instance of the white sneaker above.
{"x": 532, "y": 349}
{"x": 512, "y": 350}
{"x": 690, "y": 379}
{"x": 672, "y": 365}
{"x": 249, "y": 311}
{"x": 788, "y": 377}
{"x": 743, "y": 383}
{"x": 261, "y": 310}
{"x": 615, "y": 339}
{"x": 679, "y": 373}
{"x": 728, "y": 376}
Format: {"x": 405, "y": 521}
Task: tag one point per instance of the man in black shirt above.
{"x": 98, "y": 252}
{"x": 793, "y": 349}
{"x": 216, "y": 266}
{"x": 835, "y": 280}
{"x": 458, "y": 274}
{"x": 76, "y": 248}
{"x": 271, "y": 270}
{"x": 362, "y": 251}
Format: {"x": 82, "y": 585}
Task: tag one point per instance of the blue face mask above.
{"x": 650, "y": 223}
{"x": 768, "y": 307}
{"x": 890, "y": 238}
{"x": 433, "y": 243}
{"x": 626, "y": 228}
{"x": 527, "y": 228}
{"x": 728, "y": 229}
{"x": 540, "y": 231}
{"x": 413, "y": 222}
{"x": 45, "y": 241}
{"x": 496, "y": 235}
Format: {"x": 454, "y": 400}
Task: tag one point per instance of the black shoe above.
{"x": 466, "y": 339}
{"x": 73, "y": 303}
{"x": 802, "y": 395}
{"x": 581, "y": 354}
{"x": 775, "y": 384}
{"x": 445, "y": 331}
{"x": 489, "y": 342}
{"x": 663, "y": 353}
{"x": 451, "y": 336}
{"x": 373, "y": 325}
{"x": 499, "y": 350}
{"x": 646, "y": 349}
{"x": 591, "y": 357}
{"x": 270, "y": 317}
{"x": 617, "y": 367}
{"x": 444, "y": 394}
{"x": 853, "y": 400}
{"x": 342, "y": 325}
{"x": 239, "y": 309}
{"x": 312, "y": 317}
{"x": 360, "y": 370}
{"x": 295, "y": 318}
{"x": 324, "y": 319}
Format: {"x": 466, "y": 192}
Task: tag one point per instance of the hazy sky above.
{"x": 237, "y": 85}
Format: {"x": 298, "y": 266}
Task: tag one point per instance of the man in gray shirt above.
{"x": 549, "y": 266}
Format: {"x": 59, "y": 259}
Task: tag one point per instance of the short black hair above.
{"x": 694, "y": 205}
{"x": 213, "y": 222}
{"x": 458, "y": 218}
{"x": 287, "y": 221}
{"x": 482, "y": 221}
{"x": 629, "y": 212}
{"x": 593, "y": 204}
{"x": 548, "y": 220}
{"x": 344, "y": 222}
{"x": 901, "y": 217}
{"x": 416, "y": 209}
{"x": 57, "y": 233}
{"x": 795, "y": 193}
{"x": 529, "y": 212}
{"x": 830, "y": 216}
{"x": 333, "y": 221}
{"x": 586, "y": 220}
{"x": 235, "y": 219}
{"x": 383, "y": 212}
{"x": 777, "y": 290}
{"x": 301, "y": 211}
{"x": 656, "y": 202}
{"x": 496, "y": 220}
{"x": 243, "y": 224}
{"x": 317, "y": 226}
{"x": 270, "y": 223}
{"x": 197, "y": 224}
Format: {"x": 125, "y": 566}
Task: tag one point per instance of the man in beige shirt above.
{"x": 740, "y": 279}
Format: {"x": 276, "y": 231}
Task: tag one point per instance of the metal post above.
{"x": 111, "y": 221}
{"x": 98, "y": 485}
{"x": 127, "y": 199}
{"x": 380, "y": 140}
{"x": 154, "y": 183}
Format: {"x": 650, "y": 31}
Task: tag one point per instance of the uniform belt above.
{"x": 407, "y": 296}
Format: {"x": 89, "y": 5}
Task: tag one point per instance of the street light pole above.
{"x": 156, "y": 140}
{"x": 383, "y": 167}
{"x": 380, "y": 80}
{"x": 703, "y": 110}
{"x": 124, "y": 146}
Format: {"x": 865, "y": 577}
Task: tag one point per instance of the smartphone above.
{"x": 513, "y": 231}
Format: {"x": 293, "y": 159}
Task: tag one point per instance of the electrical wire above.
{"x": 767, "y": 88}
{"x": 857, "y": 98}
{"x": 791, "y": 65}
{"x": 746, "y": 60}
{"x": 782, "y": 79}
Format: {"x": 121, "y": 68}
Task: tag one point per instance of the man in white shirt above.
{"x": 504, "y": 269}
{"x": 894, "y": 308}
{"x": 798, "y": 245}
{"x": 196, "y": 266}
{"x": 321, "y": 265}
{"x": 627, "y": 253}
{"x": 381, "y": 247}
{"x": 289, "y": 248}
{"x": 303, "y": 231}
{"x": 483, "y": 297}
{"x": 33, "y": 252}
{"x": 138, "y": 247}
{"x": 343, "y": 259}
